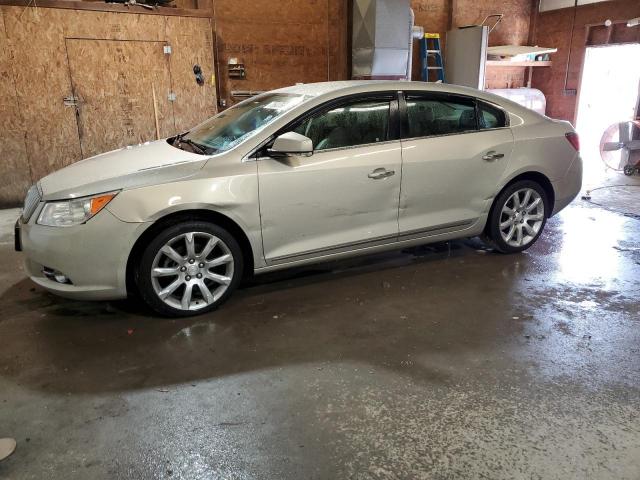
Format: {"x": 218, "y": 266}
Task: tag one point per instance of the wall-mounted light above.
{"x": 634, "y": 22}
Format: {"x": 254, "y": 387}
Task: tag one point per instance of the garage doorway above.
{"x": 113, "y": 88}
{"x": 608, "y": 94}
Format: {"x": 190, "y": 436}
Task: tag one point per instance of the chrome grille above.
{"x": 31, "y": 202}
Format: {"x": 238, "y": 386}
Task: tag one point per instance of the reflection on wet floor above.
{"x": 586, "y": 252}
{"x": 431, "y": 362}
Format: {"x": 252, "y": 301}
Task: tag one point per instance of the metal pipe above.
{"x": 573, "y": 26}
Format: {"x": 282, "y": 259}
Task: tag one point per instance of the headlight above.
{"x": 68, "y": 213}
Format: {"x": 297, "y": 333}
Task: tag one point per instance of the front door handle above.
{"x": 380, "y": 173}
{"x": 492, "y": 155}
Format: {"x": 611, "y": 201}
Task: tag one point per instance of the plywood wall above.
{"x": 43, "y": 134}
{"x": 15, "y": 176}
{"x": 193, "y": 44}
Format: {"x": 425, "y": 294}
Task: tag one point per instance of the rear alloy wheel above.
{"x": 518, "y": 217}
{"x": 189, "y": 269}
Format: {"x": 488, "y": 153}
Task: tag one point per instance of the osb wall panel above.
{"x": 37, "y": 40}
{"x": 191, "y": 40}
{"x": 14, "y": 166}
{"x": 554, "y": 29}
{"x": 185, "y": 3}
{"x": 42, "y": 80}
{"x": 280, "y": 43}
{"x": 116, "y": 103}
{"x": 111, "y": 26}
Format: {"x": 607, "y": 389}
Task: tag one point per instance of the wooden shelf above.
{"x": 506, "y": 63}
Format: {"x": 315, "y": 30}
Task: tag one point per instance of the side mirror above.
{"x": 291, "y": 142}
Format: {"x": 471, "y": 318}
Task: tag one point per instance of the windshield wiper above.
{"x": 196, "y": 147}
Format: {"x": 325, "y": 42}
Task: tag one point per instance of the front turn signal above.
{"x": 98, "y": 203}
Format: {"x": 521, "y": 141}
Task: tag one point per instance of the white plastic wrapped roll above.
{"x": 527, "y": 97}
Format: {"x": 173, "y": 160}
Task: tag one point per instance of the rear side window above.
{"x": 351, "y": 124}
{"x": 440, "y": 116}
{"x": 491, "y": 117}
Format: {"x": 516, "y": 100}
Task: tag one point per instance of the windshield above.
{"x": 238, "y": 123}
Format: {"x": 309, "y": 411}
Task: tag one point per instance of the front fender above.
{"x": 235, "y": 197}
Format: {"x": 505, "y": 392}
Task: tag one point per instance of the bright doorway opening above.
{"x": 609, "y": 92}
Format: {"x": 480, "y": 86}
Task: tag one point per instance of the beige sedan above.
{"x": 295, "y": 176}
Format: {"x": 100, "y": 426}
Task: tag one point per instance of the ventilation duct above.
{"x": 382, "y": 39}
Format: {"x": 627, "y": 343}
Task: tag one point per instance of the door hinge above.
{"x": 167, "y": 49}
{"x": 171, "y": 97}
{"x": 70, "y": 101}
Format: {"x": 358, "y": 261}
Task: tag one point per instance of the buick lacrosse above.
{"x": 294, "y": 176}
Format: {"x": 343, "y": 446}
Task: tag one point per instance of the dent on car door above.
{"x": 454, "y": 152}
{"x": 344, "y": 195}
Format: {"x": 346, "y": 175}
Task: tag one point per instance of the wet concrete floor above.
{"x": 442, "y": 362}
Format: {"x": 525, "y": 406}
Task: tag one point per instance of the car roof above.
{"x": 330, "y": 90}
{"x": 352, "y": 86}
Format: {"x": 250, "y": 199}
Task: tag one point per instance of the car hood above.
{"x": 129, "y": 167}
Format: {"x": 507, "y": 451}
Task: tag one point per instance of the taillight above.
{"x": 574, "y": 140}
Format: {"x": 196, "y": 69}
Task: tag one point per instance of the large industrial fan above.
{"x": 620, "y": 147}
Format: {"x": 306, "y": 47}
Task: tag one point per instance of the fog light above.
{"x": 55, "y": 275}
{"x": 58, "y": 277}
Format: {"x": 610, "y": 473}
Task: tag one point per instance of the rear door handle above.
{"x": 380, "y": 173}
{"x": 492, "y": 155}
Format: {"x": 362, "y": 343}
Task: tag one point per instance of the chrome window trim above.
{"x": 410, "y": 139}
{"x": 475, "y": 100}
{"x": 351, "y": 147}
{"x": 316, "y": 152}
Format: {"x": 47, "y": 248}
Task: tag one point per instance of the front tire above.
{"x": 189, "y": 268}
{"x": 518, "y": 217}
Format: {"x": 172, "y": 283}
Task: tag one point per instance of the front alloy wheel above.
{"x": 189, "y": 269}
{"x": 517, "y": 218}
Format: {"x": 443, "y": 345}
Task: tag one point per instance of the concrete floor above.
{"x": 444, "y": 362}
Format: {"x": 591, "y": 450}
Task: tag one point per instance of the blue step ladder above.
{"x": 430, "y": 49}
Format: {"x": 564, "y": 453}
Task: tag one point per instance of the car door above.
{"x": 345, "y": 194}
{"x": 455, "y": 149}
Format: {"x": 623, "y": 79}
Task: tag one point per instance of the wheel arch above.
{"x": 161, "y": 223}
{"x": 539, "y": 178}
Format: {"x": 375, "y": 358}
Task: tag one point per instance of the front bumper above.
{"x": 93, "y": 255}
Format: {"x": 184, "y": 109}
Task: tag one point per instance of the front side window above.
{"x": 235, "y": 125}
{"x": 356, "y": 123}
{"x": 439, "y": 116}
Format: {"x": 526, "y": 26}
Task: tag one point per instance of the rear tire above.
{"x": 188, "y": 269}
{"x": 517, "y": 218}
